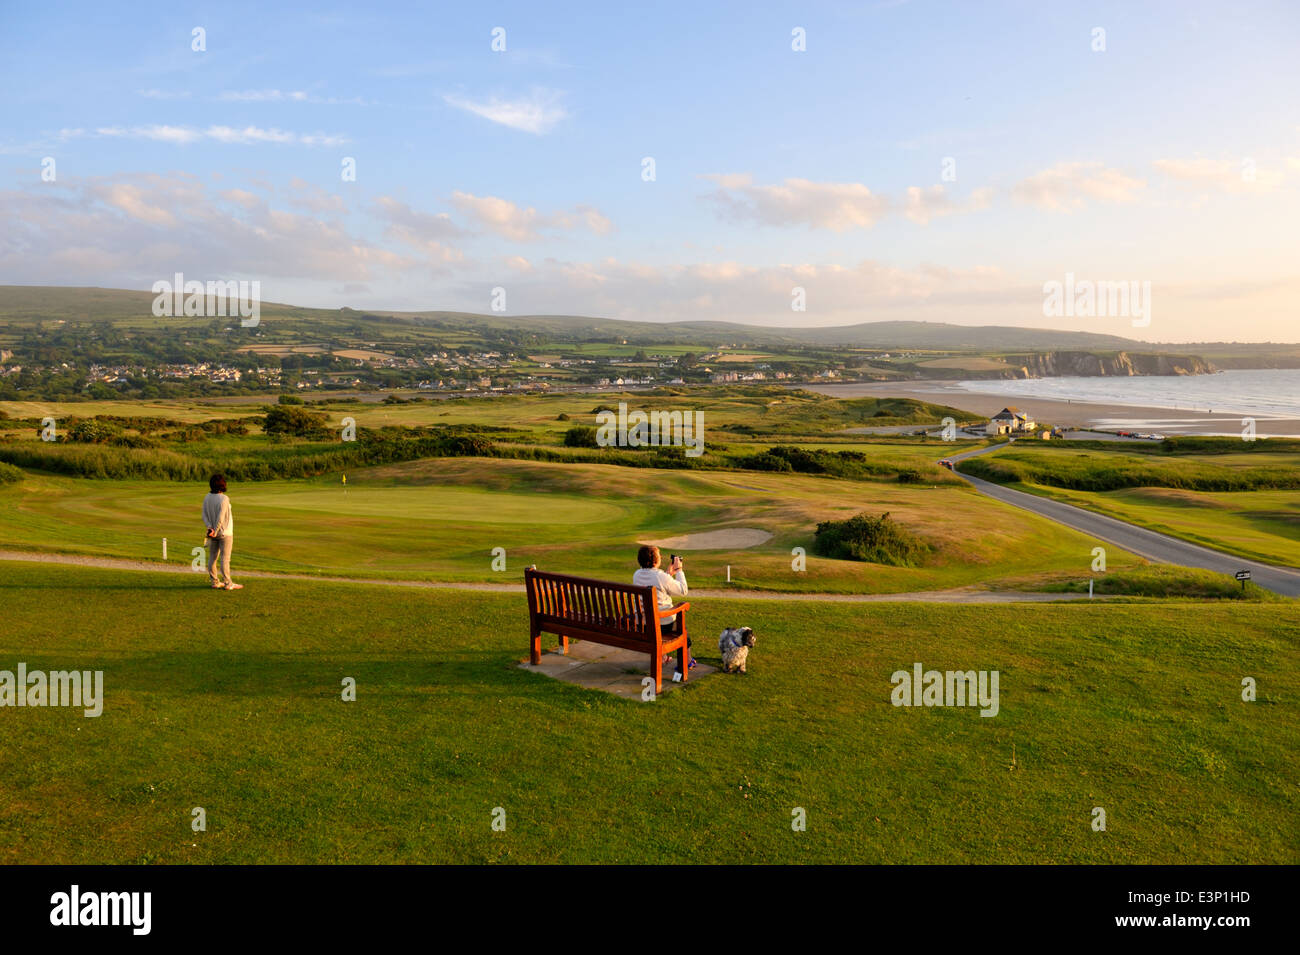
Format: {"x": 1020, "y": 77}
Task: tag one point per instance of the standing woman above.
{"x": 221, "y": 533}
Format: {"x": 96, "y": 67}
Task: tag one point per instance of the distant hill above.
{"x": 885, "y": 335}
{"x": 23, "y": 304}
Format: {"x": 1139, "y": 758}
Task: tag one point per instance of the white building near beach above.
{"x": 1010, "y": 420}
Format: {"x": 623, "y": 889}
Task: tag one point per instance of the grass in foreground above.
{"x": 232, "y": 702}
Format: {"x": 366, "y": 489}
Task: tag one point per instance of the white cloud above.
{"x": 286, "y": 96}
{"x": 131, "y": 230}
{"x": 734, "y": 291}
{"x": 184, "y": 135}
{"x": 306, "y": 195}
{"x": 1067, "y": 185}
{"x": 420, "y": 230}
{"x": 178, "y": 135}
{"x": 249, "y": 134}
{"x": 262, "y": 96}
{"x": 134, "y": 201}
{"x": 505, "y": 218}
{"x": 242, "y": 198}
{"x": 922, "y": 205}
{"x": 1229, "y": 175}
{"x": 838, "y": 206}
{"x": 537, "y": 113}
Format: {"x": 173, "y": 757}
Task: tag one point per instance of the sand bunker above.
{"x": 730, "y": 538}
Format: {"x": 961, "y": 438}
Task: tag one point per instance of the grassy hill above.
{"x": 37, "y": 304}
{"x": 232, "y": 702}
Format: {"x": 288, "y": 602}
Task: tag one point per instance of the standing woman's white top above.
{"x": 220, "y": 523}
{"x": 217, "y": 515}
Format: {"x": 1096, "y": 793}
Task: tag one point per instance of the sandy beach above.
{"x": 1067, "y": 414}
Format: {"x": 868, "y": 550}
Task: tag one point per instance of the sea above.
{"x": 1260, "y": 393}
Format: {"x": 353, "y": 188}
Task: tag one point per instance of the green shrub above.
{"x": 93, "y": 431}
{"x": 290, "y": 400}
{"x": 295, "y": 421}
{"x": 133, "y": 441}
{"x": 10, "y": 474}
{"x": 465, "y": 445}
{"x": 877, "y": 540}
{"x": 580, "y": 437}
{"x": 766, "y": 461}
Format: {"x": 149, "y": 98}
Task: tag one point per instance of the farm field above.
{"x": 441, "y": 519}
{"x": 1132, "y": 707}
{"x": 187, "y": 410}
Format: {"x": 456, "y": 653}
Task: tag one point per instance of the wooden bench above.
{"x": 617, "y": 615}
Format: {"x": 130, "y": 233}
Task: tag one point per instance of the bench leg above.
{"x": 535, "y": 648}
{"x": 682, "y": 662}
{"x": 564, "y": 643}
{"x": 657, "y": 669}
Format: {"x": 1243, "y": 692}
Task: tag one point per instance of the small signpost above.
{"x": 1243, "y": 576}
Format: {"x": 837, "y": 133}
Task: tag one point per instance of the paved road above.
{"x": 1138, "y": 540}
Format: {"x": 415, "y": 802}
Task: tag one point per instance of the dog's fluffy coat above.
{"x": 734, "y": 646}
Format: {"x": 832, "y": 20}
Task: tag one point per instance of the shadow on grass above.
{"x": 465, "y": 673}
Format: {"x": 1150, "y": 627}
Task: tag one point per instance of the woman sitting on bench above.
{"x": 667, "y": 586}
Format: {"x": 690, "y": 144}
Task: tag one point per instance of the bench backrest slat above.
{"x": 599, "y": 605}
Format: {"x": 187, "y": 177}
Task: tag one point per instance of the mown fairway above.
{"x": 231, "y": 701}
{"x": 440, "y": 519}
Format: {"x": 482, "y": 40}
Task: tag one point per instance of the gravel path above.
{"x": 964, "y": 595}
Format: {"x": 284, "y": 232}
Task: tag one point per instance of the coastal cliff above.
{"x": 1091, "y": 365}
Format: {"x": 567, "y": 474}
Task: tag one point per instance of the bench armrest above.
{"x": 672, "y": 611}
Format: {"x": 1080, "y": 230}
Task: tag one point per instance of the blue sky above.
{"x": 1171, "y": 156}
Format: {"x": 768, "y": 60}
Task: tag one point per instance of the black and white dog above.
{"x": 734, "y": 646}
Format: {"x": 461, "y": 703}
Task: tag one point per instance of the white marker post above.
{"x": 728, "y": 573}
{"x": 164, "y": 548}
{"x": 1089, "y": 588}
